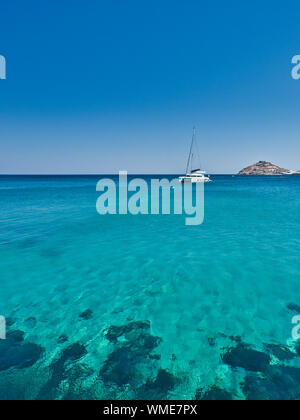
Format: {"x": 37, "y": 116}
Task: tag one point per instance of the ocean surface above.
{"x": 145, "y": 307}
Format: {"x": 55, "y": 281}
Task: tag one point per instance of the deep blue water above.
{"x": 143, "y": 306}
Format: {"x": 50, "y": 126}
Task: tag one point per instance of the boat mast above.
{"x": 191, "y": 151}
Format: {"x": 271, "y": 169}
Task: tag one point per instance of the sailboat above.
{"x": 193, "y": 175}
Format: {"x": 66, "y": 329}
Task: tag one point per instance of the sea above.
{"x": 143, "y": 306}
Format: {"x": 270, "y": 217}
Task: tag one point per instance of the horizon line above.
{"x": 101, "y": 174}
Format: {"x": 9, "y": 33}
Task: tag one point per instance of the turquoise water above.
{"x": 113, "y": 306}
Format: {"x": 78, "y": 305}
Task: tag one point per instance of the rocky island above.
{"x": 266, "y": 168}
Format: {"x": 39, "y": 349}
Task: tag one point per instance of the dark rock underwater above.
{"x": 134, "y": 362}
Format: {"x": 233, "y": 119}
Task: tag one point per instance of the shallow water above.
{"x": 144, "y": 306}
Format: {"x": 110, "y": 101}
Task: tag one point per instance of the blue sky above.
{"x": 101, "y": 86}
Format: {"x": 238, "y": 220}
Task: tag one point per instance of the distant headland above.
{"x": 266, "y": 168}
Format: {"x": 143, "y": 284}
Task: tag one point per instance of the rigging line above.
{"x": 191, "y": 150}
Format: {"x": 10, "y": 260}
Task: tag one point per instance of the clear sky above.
{"x": 101, "y": 86}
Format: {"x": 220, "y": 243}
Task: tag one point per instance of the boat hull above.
{"x": 193, "y": 180}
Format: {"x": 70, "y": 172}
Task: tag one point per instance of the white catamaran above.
{"x": 193, "y": 175}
